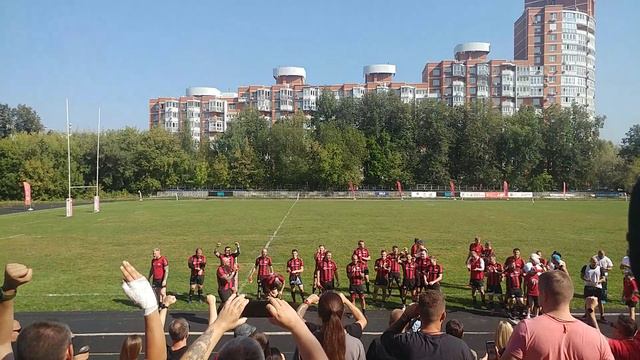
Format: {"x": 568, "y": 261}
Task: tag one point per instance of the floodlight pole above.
{"x": 96, "y": 200}
{"x": 69, "y": 204}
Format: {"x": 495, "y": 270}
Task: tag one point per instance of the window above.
{"x": 538, "y": 29}
{"x": 472, "y": 80}
{"x": 553, "y": 47}
{"x": 553, "y": 37}
{"x": 554, "y": 16}
{"x": 538, "y": 18}
{"x": 537, "y": 39}
{"x": 472, "y": 91}
{"x": 553, "y": 27}
{"x": 552, "y": 79}
{"x": 536, "y": 50}
{"x": 552, "y": 68}
{"x": 538, "y": 60}
{"x": 436, "y": 82}
{"x": 436, "y": 72}
{"x": 552, "y": 58}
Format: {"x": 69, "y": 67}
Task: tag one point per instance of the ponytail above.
{"x": 332, "y": 334}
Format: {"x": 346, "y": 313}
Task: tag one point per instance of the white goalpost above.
{"x": 96, "y": 198}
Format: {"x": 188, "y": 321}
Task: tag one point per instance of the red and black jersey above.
{"x": 222, "y": 272}
{"x": 294, "y": 265}
{"x": 355, "y": 273}
{"x": 531, "y": 280}
{"x": 513, "y": 279}
{"x": 414, "y": 249}
{"x": 158, "y": 265}
{"x": 422, "y": 265}
{"x": 478, "y": 248}
{"x": 232, "y": 258}
{"x": 434, "y": 271}
{"x": 519, "y": 262}
{"x": 327, "y": 270}
{"x": 487, "y": 253}
{"x": 263, "y": 263}
{"x": 382, "y": 267}
{"x": 362, "y": 253}
{"x": 630, "y": 289}
{"x": 477, "y": 268}
{"x": 319, "y": 256}
{"x": 409, "y": 270}
{"x": 494, "y": 274}
{"x": 197, "y": 264}
{"x": 394, "y": 262}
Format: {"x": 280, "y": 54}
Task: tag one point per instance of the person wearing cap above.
{"x": 244, "y": 330}
{"x": 557, "y": 263}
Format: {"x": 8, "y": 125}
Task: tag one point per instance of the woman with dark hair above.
{"x": 131, "y": 347}
{"x": 337, "y": 344}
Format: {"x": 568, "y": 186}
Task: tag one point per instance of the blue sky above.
{"x": 118, "y": 54}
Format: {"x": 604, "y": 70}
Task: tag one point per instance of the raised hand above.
{"x": 282, "y": 314}
{"x": 138, "y": 289}
{"x": 16, "y": 275}
{"x": 230, "y": 316}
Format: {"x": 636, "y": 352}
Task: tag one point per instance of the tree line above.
{"x": 370, "y": 142}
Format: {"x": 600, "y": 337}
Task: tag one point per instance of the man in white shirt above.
{"x": 593, "y": 279}
{"x": 605, "y": 266}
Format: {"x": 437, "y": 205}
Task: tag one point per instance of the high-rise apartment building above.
{"x": 553, "y": 63}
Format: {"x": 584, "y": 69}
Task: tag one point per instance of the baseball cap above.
{"x": 244, "y": 330}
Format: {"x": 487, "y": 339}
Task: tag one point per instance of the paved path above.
{"x": 104, "y": 331}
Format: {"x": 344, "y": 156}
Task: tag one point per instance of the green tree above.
{"x": 219, "y": 172}
{"x": 27, "y": 120}
{"x": 432, "y": 142}
{"x": 608, "y": 168}
{"x": 630, "y": 149}
{"x": 6, "y": 121}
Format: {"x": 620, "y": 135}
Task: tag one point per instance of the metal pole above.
{"x": 98, "y": 158}
{"x": 68, "y": 151}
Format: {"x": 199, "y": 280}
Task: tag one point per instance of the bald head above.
{"x": 556, "y": 289}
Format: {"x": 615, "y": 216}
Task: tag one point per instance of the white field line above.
{"x": 11, "y": 237}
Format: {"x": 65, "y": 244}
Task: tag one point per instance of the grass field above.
{"x": 76, "y": 260}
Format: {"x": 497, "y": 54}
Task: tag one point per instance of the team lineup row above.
{"x": 410, "y": 271}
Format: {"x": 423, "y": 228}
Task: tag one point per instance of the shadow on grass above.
{"x": 126, "y": 302}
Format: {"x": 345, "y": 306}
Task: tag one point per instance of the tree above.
{"x": 339, "y": 155}
{"x": 6, "y": 121}
{"x": 246, "y": 172}
{"x": 630, "y": 149}
{"x": 289, "y": 152}
{"x": 219, "y": 172}
{"x": 27, "y": 120}
{"x": 608, "y": 167}
{"x": 432, "y": 141}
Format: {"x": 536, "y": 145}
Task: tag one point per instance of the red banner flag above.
{"x": 399, "y": 187}
{"x": 505, "y": 188}
{"x": 27, "y": 193}
{"x": 452, "y": 188}
{"x": 564, "y": 188}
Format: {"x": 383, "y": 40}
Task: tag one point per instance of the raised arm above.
{"x": 237, "y": 253}
{"x": 164, "y": 308}
{"x": 14, "y": 276}
{"x": 228, "y": 319}
{"x": 139, "y": 290}
{"x": 357, "y": 314}
{"x": 302, "y": 309}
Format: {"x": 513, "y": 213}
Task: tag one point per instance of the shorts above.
{"x": 476, "y": 284}
{"x": 533, "y": 299}
{"x": 494, "y": 289}
{"x": 381, "y": 281}
{"x": 435, "y": 286}
{"x": 409, "y": 284}
{"x": 631, "y": 303}
{"x": 157, "y": 284}
{"x": 295, "y": 281}
{"x": 329, "y": 285}
{"x": 514, "y": 293}
{"x": 395, "y": 276}
{"x": 366, "y": 271}
{"x": 356, "y": 289}
{"x": 196, "y": 280}
{"x": 224, "y": 294}
{"x": 593, "y": 291}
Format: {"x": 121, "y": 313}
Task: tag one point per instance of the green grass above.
{"x": 80, "y": 256}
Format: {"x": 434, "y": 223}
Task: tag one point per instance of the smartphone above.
{"x": 492, "y": 354}
{"x": 83, "y": 350}
{"x": 256, "y": 309}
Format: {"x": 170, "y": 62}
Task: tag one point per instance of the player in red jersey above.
{"x": 355, "y": 273}
{"x": 295, "y": 268}
{"x": 382, "y": 267}
{"x": 409, "y": 280}
{"x": 422, "y": 269}
{"x": 630, "y": 294}
{"x": 487, "y": 251}
{"x": 395, "y": 258}
{"x": 517, "y": 260}
{"x": 416, "y": 247}
{"x": 364, "y": 256}
{"x": 273, "y": 286}
{"x": 158, "y": 274}
{"x": 264, "y": 267}
{"x": 225, "y": 273}
{"x": 476, "y": 246}
{"x": 196, "y": 263}
{"x": 494, "y": 272}
{"x": 515, "y": 300}
{"x": 531, "y": 282}
{"x": 434, "y": 274}
{"x": 233, "y": 260}
{"x": 318, "y": 256}
{"x": 476, "y": 276}
{"x": 327, "y": 274}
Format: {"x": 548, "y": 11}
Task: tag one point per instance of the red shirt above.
{"x": 513, "y": 278}
{"x": 295, "y": 265}
{"x": 531, "y": 280}
{"x": 382, "y": 267}
{"x": 197, "y": 264}
{"x": 327, "y": 270}
{"x": 232, "y": 259}
{"x": 394, "y": 262}
{"x": 422, "y": 265}
{"x": 434, "y": 272}
{"x": 158, "y": 266}
{"x": 630, "y": 289}
{"x": 477, "y": 268}
{"x": 355, "y": 273}
{"x": 319, "y": 256}
{"x": 627, "y": 349}
{"x": 414, "y": 249}
{"x": 519, "y": 262}
{"x": 487, "y": 252}
{"x": 494, "y": 274}
{"x": 409, "y": 270}
{"x": 222, "y": 282}
{"x": 478, "y": 248}
{"x": 362, "y": 253}
{"x": 263, "y": 263}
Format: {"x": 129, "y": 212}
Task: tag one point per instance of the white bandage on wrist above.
{"x": 140, "y": 292}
